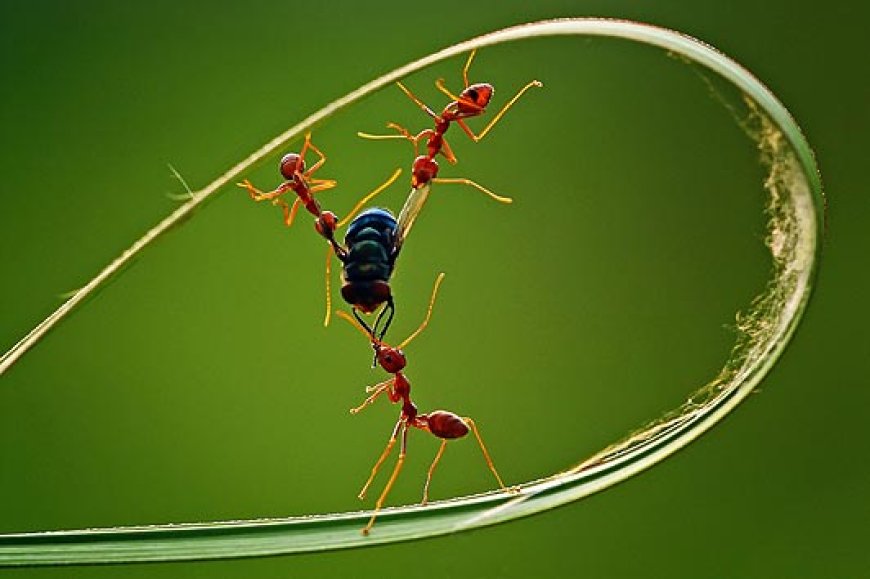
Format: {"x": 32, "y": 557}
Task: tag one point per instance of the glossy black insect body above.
{"x": 370, "y": 251}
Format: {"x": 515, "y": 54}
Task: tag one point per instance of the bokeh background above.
{"x": 200, "y": 384}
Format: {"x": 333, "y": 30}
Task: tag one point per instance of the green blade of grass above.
{"x": 794, "y": 213}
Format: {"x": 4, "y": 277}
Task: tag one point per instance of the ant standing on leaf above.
{"x": 440, "y": 423}
{"x": 471, "y": 102}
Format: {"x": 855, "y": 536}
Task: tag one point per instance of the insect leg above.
{"x": 498, "y": 115}
{"x": 382, "y": 458}
{"x": 289, "y": 210}
{"x": 432, "y": 470}
{"x": 414, "y": 98}
{"x": 308, "y": 144}
{"x": 258, "y": 195}
{"x": 481, "y": 188}
{"x": 376, "y": 390}
{"x": 390, "y": 482}
{"x": 473, "y": 427}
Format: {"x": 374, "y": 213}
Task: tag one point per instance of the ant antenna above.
{"x": 354, "y": 321}
{"x": 369, "y": 197}
{"x": 425, "y": 323}
{"x": 360, "y": 324}
{"x": 413, "y": 97}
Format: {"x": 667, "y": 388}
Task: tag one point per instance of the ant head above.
{"x": 290, "y": 164}
{"x": 390, "y": 359}
{"x": 479, "y": 94}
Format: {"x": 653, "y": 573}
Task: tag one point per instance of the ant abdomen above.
{"x": 444, "y": 424}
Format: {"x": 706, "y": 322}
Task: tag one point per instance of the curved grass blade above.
{"x": 794, "y": 213}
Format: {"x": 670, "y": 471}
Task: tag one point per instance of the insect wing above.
{"x": 412, "y": 207}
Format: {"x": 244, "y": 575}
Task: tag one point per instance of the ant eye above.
{"x": 472, "y": 94}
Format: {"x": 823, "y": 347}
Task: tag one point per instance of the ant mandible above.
{"x": 440, "y": 423}
{"x": 471, "y": 102}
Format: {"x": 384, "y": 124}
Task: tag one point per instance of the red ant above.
{"x": 299, "y": 180}
{"x": 441, "y": 423}
{"x": 471, "y": 102}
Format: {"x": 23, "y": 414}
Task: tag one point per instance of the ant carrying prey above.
{"x": 440, "y": 423}
{"x": 367, "y": 258}
{"x": 297, "y": 179}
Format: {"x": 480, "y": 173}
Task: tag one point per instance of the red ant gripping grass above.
{"x": 366, "y": 284}
{"x": 299, "y": 180}
{"x": 471, "y": 102}
{"x": 440, "y": 423}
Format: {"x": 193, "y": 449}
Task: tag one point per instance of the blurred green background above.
{"x": 200, "y": 384}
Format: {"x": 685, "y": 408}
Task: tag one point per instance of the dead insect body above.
{"x": 370, "y": 248}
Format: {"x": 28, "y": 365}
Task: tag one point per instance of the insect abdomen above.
{"x": 445, "y": 424}
{"x": 369, "y": 241}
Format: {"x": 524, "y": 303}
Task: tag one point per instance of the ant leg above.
{"x": 390, "y": 482}
{"x": 258, "y": 195}
{"x": 329, "y": 252}
{"x": 439, "y": 84}
{"x": 432, "y": 470}
{"x": 467, "y": 66}
{"x": 289, "y": 210}
{"x": 406, "y": 133}
{"x": 381, "y": 137}
{"x": 481, "y": 188}
{"x": 381, "y": 459}
{"x": 447, "y": 152}
{"x": 470, "y": 423}
{"x": 305, "y": 146}
{"x": 321, "y": 184}
{"x": 308, "y": 144}
{"x": 498, "y": 115}
{"x": 376, "y": 390}
{"x": 425, "y": 322}
{"x": 403, "y": 134}
{"x": 368, "y": 197}
{"x": 414, "y": 98}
